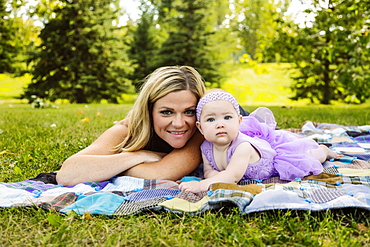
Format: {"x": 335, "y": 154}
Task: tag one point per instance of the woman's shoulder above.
{"x": 124, "y": 122}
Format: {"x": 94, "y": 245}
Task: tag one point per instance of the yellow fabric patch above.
{"x": 354, "y": 172}
{"x": 182, "y": 205}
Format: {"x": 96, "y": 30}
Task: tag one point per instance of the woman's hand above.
{"x": 151, "y": 156}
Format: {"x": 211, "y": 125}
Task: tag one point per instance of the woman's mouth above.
{"x": 177, "y": 132}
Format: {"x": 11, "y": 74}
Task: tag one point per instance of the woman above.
{"x": 157, "y": 140}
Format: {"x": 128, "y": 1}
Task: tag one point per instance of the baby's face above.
{"x": 219, "y": 122}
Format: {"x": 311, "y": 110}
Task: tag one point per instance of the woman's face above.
{"x": 174, "y": 117}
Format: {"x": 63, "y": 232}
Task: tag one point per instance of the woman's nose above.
{"x": 178, "y": 121}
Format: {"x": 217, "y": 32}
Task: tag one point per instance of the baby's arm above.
{"x": 232, "y": 174}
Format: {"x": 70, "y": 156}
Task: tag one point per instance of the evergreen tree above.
{"x": 80, "y": 57}
{"x": 143, "y": 46}
{"x": 188, "y": 39}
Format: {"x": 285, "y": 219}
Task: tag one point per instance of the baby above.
{"x": 249, "y": 148}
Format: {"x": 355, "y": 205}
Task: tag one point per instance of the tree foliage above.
{"x": 254, "y": 22}
{"x": 85, "y": 57}
{"x": 15, "y": 37}
{"x": 331, "y": 53}
{"x": 188, "y": 38}
{"x": 80, "y": 57}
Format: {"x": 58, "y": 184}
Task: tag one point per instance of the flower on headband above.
{"x": 216, "y": 96}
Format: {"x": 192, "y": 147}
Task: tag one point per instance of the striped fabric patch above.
{"x": 160, "y": 184}
{"x": 131, "y": 207}
{"x": 60, "y": 202}
{"x": 322, "y": 195}
{"x": 356, "y": 164}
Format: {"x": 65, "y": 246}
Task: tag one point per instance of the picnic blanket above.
{"x": 345, "y": 183}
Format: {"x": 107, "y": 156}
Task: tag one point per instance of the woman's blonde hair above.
{"x": 161, "y": 82}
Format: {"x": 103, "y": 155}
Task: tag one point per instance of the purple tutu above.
{"x": 293, "y": 153}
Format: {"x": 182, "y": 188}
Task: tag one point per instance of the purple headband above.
{"x": 216, "y": 96}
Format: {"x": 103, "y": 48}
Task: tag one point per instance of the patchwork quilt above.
{"x": 345, "y": 183}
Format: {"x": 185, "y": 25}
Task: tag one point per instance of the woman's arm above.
{"x": 99, "y": 161}
{"x": 173, "y": 166}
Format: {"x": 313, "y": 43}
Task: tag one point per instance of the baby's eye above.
{"x": 227, "y": 117}
{"x": 210, "y": 119}
{"x": 190, "y": 112}
{"x": 166, "y": 112}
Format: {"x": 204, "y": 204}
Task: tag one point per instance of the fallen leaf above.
{"x": 85, "y": 120}
{"x": 87, "y": 216}
{"x": 362, "y": 227}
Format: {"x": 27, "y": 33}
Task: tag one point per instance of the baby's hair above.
{"x": 216, "y": 95}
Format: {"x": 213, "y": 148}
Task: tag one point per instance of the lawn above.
{"x": 11, "y": 87}
{"x": 38, "y": 140}
{"x": 265, "y": 84}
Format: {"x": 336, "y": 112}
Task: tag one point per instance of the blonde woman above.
{"x": 157, "y": 140}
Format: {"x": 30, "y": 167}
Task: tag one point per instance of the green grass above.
{"x": 39, "y": 140}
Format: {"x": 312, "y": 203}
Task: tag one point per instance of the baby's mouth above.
{"x": 221, "y": 133}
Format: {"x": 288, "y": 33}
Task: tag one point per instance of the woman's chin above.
{"x": 177, "y": 144}
{"x": 177, "y": 141}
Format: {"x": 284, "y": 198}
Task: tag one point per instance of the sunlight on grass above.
{"x": 11, "y": 87}
{"x": 253, "y": 88}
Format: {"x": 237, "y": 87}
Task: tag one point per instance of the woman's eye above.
{"x": 190, "y": 112}
{"x": 166, "y": 113}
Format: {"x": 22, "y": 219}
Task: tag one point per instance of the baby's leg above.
{"x": 324, "y": 153}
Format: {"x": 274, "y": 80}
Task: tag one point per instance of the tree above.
{"x": 80, "y": 58}
{"x": 188, "y": 38}
{"x": 143, "y": 46}
{"x": 14, "y": 37}
{"x": 254, "y": 22}
{"x": 331, "y": 53}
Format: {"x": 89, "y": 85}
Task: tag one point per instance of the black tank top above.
{"x": 157, "y": 144}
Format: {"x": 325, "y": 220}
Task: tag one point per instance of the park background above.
{"x": 76, "y": 59}
{"x": 265, "y": 52}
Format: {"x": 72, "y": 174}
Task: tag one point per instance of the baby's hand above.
{"x": 192, "y": 186}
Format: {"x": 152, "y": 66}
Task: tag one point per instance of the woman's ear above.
{"x": 197, "y": 123}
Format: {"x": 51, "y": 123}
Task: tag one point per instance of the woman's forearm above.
{"x": 175, "y": 165}
{"x": 96, "y": 168}
{"x": 163, "y": 170}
